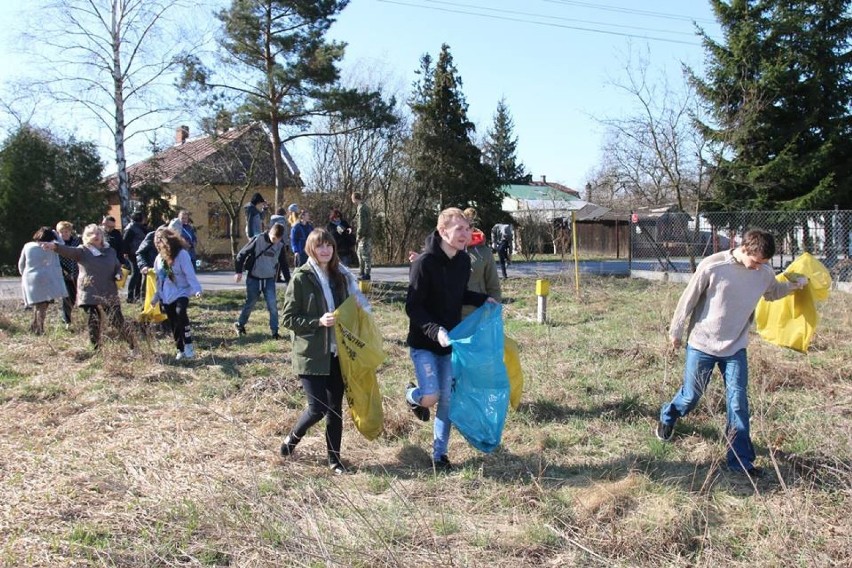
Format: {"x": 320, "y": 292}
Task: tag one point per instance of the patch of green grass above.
{"x": 378, "y": 484}
{"x": 213, "y": 557}
{"x": 446, "y": 525}
{"x": 89, "y": 537}
{"x": 537, "y": 534}
{"x": 10, "y": 377}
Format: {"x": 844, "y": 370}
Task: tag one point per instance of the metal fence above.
{"x": 676, "y": 241}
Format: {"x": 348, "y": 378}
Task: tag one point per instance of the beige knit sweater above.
{"x": 717, "y": 306}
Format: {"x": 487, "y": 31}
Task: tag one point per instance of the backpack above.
{"x": 251, "y": 255}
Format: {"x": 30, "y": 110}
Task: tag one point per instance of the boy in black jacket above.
{"x": 436, "y": 291}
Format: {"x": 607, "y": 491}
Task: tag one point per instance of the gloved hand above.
{"x": 443, "y": 338}
{"x": 797, "y": 281}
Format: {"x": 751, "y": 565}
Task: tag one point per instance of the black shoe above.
{"x": 753, "y": 472}
{"x": 664, "y": 432}
{"x": 366, "y": 277}
{"x": 276, "y": 336}
{"x": 239, "y": 328}
{"x": 421, "y": 412}
{"x": 289, "y": 445}
{"x": 337, "y": 468}
{"x": 442, "y": 464}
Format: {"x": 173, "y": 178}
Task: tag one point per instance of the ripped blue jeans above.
{"x": 435, "y": 376}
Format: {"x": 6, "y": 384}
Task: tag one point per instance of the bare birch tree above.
{"x": 113, "y": 59}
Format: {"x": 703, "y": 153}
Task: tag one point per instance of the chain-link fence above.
{"x": 675, "y": 241}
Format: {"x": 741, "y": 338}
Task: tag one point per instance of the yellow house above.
{"x": 213, "y": 177}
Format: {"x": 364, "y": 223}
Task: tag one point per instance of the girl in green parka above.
{"x": 316, "y": 289}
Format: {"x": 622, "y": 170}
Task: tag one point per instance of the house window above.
{"x": 218, "y": 222}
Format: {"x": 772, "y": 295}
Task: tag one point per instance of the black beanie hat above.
{"x": 257, "y": 198}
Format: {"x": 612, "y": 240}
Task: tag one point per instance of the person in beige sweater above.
{"x": 715, "y": 312}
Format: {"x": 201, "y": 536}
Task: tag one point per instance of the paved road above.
{"x": 10, "y": 288}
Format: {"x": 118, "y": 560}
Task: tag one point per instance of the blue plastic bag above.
{"x": 480, "y": 397}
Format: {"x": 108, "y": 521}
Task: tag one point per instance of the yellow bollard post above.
{"x": 365, "y": 286}
{"x": 542, "y": 289}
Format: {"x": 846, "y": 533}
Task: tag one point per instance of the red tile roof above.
{"x": 182, "y": 163}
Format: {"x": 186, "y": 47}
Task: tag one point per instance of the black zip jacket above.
{"x": 437, "y": 289}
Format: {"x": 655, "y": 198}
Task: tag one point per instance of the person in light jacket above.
{"x": 268, "y": 252}
{"x": 176, "y": 282}
{"x": 715, "y": 312}
{"x": 319, "y": 286}
{"x": 41, "y": 277}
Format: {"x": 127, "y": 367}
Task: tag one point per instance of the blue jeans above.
{"x": 254, "y": 286}
{"x": 435, "y": 376}
{"x": 734, "y": 368}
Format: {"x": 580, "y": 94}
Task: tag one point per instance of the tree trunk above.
{"x": 118, "y": 97}
{"x": 277, "y": 162}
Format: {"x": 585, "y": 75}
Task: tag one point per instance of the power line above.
{"x": 539, "y": 23}
{"x": 619, "y": 9}
{"x": 559, "y": 18}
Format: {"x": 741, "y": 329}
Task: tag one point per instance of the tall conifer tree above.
{"x": 501, "y": 146}
{"x": 446, "y": 162}
{"x": 779, "y": 91}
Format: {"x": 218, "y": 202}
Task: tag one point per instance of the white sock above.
{"x": 409, "y": 396}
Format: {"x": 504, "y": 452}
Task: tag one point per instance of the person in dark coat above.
{"x": 343, "y": 236}
{"x": 437, "y": 290}
{"x": 69, "y": 269}
{"x": 134, "y": 234}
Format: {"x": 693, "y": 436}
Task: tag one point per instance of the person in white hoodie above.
{"x": 176, "y": 282}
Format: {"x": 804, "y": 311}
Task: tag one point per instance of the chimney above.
{"x": 543, "y": 179}
{"x": 181, "y": 135}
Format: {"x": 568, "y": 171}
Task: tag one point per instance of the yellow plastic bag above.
{"x": 123, "y": 279}
{"x": 791, "y": 321}
{"x": 512, "y": 360}
{"x": 151, "y": 314}
{"x": 359, "y": 349}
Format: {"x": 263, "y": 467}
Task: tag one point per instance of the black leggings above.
{"x": 325, "y": 398}
{"x": 176, "y": 312}
{"x": 112, "y": 313}
{"x": 69, "y": 301}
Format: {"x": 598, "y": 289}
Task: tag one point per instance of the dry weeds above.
{"x": 110, "y": 459}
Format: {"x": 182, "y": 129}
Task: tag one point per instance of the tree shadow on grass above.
{"x": 545, "y": 411}
{"x": 692, "y": 477}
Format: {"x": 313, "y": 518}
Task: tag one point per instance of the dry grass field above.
{"x": 111, "y": 459}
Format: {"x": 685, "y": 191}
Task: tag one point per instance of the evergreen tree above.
{"x": 778, "y": 88}
{"x": 447, "y": 164}
{"x": 279, "y": 68}
{"x": 42, "y": 181}
{"x": 501, "y": 147}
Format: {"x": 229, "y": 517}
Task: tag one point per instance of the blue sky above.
{"x": 553, "y": 61}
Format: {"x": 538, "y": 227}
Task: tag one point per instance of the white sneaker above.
{"x": 189, "y": 351}
{"x": 179, "y": 355}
